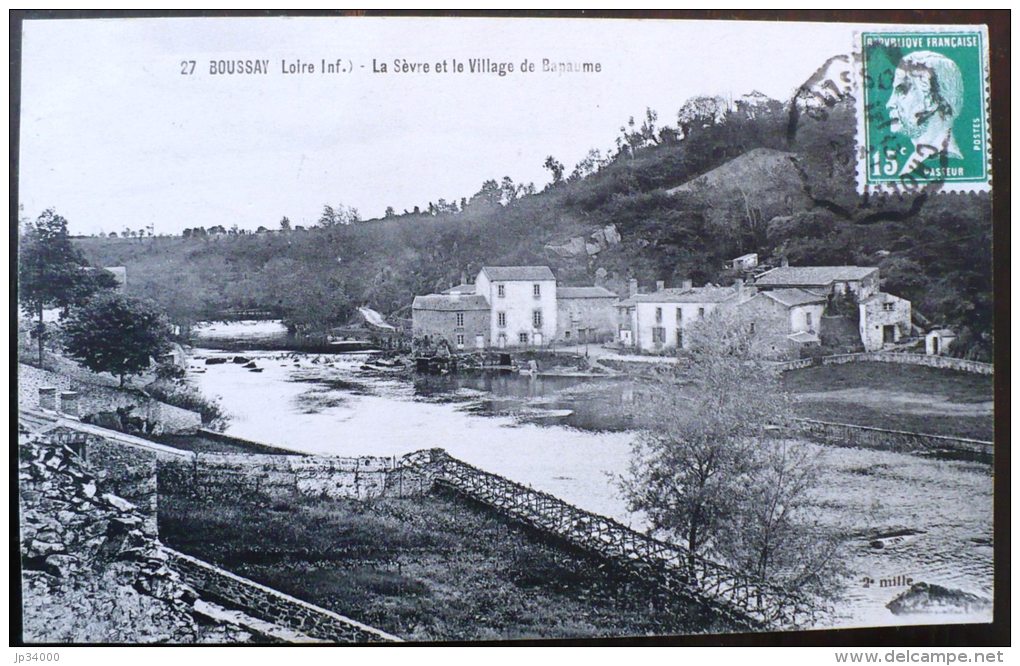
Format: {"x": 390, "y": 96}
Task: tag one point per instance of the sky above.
{"x": 114, "y": 135}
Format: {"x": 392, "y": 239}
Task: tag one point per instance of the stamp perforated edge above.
{"x": 861, "y": 157}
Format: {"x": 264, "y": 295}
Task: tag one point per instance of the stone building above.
{"x": 655, "y": 322}
{"x": 884, "y": 320}
{"x": 585, "y": 314}
{"x": 936, "y": 343}
{"x": 463, "y": 320}
{"x": 783, "y": 320}
{"x": 862, "y": 281}
{"x": 523, "y": 303}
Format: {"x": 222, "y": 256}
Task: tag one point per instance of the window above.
{"x": 679, "y": 315}
{"x": 566, "y": 334}
{"x": 501, "y": 319}
{"x": 658, "y": 315}
{"x": 501, "y": 290}
{"x": 752, "y": 328}
{"x": 523, "y": 337}
{"x": 460, "y": 340}
{"x": 701, "y": 313}
{"x": 887, "y": 307}
{"x": 679, "y": 338}
{"x": 658, "y": 335}
{"x": 808, "y": 319}
{"x": 460, "y": 319}
{"x": 536, "y": 290}
{"x": 536, "y": 319}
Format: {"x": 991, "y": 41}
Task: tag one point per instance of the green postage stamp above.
{"x": 922, "y": 110}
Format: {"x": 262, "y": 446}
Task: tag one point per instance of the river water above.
{"x": 570, "y": 436}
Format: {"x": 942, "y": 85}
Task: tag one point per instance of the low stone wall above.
{"x": 944, "y": 362}
{"x": 271, "y": 605}
{"x": 845, "y": 434}
{"x": 276, "y": 476}
{"x": 96, "y": 398}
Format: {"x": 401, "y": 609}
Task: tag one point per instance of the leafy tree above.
{"x": 52, "y": 272}
{"x": 710, "y": 475}
{"x": 332, "y": 217}
{"x": 285, "y": 223}
{"x": 556, "y": 168}
{"x": 390, "y": 212}
{"x": 116, "y": 334}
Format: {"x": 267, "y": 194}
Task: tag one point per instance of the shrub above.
{"x": 187, "y": 397}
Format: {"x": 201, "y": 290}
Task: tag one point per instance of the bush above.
{"x": 187, "y": 397}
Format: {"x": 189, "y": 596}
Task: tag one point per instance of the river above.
{"x": 570, "y": 436}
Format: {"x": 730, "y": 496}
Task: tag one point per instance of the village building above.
{"x": 523, "y": 304}
{"x": 462, "y": 320}
{"x": 744, "y": 262}
{"x": 585, "y": 314}
{"x": 783, "y": 320}
{"x": 884, "y": 320}
{"x": 936, "y": 342}
{"x": 862, "y": 281}
{"x": 656, "y": 322}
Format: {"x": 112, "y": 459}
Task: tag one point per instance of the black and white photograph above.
{"x": 348, "y": 329}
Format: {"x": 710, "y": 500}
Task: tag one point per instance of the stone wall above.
{"x": 596, "y": 316}
{"x": 271, "y": 605}
{"x": 362, "y": 477}
{"x": 92, "y": 571}
{"x": 944, "y": 362}
{"x": 844, "y": 434}
{"x": 96, "y": 398}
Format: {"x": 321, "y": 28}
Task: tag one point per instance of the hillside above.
{"x": 772, "y": 178}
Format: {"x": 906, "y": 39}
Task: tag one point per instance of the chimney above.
{"x": 631, "y": 287}
{"x": 48, "y": 398}
{"x": 69, "y": 403}
{"x": 463, "y": 277}
{"x": 786, "y": 262}
{"x": 660, "y": 285}
{"x": 688, "y": 284}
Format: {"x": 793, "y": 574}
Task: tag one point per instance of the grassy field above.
{"x": 899, "y": 397}
{"x": 432, "y": 568}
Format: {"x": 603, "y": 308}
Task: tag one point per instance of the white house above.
{"x": 523, "y": 302}
{"x": 884, "y": 320}
{"x": 937, "y": 342}
{"x": 656, "y": 322}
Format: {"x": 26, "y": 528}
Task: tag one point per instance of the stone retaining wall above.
{"x": 96, "y": 398}
{"x": 944, "y": 362}
{"x": 845, "y": 434}
{"x": 271, "y": 605}
{"x": 276, "y": 476}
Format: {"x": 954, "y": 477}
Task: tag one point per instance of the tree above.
{"x": 51, "y": 271}
{"x": 556, "y": 168}
{"x": 710, "y": 474}
{"x": 284, "y": 223}
{"x": 116, "y": 334}
{"x": 332, "y": 217}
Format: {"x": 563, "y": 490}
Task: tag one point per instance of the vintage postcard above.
{"x": 388, "y": 329}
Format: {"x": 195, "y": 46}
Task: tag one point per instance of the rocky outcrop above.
{"x": 930, "y": 598}
{"x": 586, "y": 246}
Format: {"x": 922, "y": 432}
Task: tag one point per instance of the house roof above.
{"x": 793, "y": 297}
{"x": 803, "y": 337}
{"x": 513, "y": 273}
{"x": 813, "y": 275}
{"x": 749, "y": 255}
{"x": 882, "y": 296}
{"x": 461, "y": 289}
{"x": 693, "y": 295}
{"x": 943, "y": 333}
{"x": 584, "y": 292}
{"x": 449, "y": 302}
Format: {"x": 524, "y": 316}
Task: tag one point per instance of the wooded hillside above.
{"x": 671, "y": 202}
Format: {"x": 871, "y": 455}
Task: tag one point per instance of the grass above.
{"x": 908, "y": 381}
{"x": 430, "y": 569}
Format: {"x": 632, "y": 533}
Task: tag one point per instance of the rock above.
{"x": 118, "y": 502}
{"x": 36, "y": 548}
{"x": 215, "y": 361}
{"x": 240, "y": 360}
{"x": 592, "y": 249}
{"x": 612, "y": 236}
{"x": 930, "y": 598}
{"x": 61, "y": 566}
{"x": 250, "y": 364}
{"x": 89, "y": 489}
